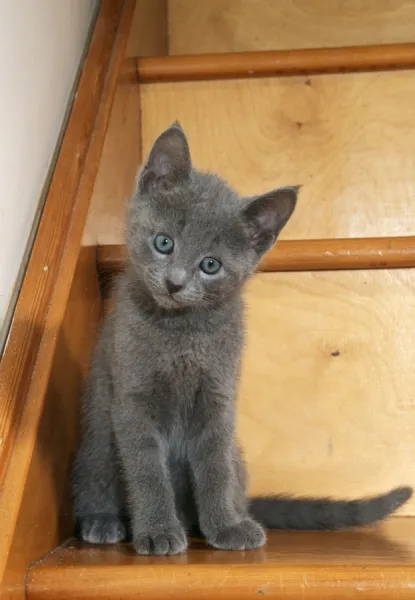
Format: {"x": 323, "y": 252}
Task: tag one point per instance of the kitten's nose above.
{"x": 172, "y": 287}
{"x": 176, "y": 280}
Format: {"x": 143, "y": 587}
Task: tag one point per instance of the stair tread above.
{"x": 379, "y": 561}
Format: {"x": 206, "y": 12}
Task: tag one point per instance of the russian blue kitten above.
{"x": 159, "y": 454}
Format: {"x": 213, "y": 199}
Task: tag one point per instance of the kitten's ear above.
{"x": 266, "y": 215}
{"x": 169, "y": 161}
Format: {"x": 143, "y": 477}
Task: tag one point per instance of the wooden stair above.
{"x": 330, "y": 314}
{"x": 377, "y": 564}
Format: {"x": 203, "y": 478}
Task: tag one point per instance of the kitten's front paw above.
{"x": 170, "y": 540}
{"x": 246, "y": 535}
{"x": 101, "y": 529}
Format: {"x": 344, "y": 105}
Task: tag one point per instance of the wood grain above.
{"x": 244, "y": 25}
{"x": 326, "y": 404}
{"x": 44, "y": 516}
{"x": 117, "y": 169}
{"x": 149, "y": 30}
{"x": 308, "y": 255}
{"x": 203, "y": 67}
{"x": 27, "y": 362}
{"x": 347, "y": 138}
{"x": 377, "y": 563}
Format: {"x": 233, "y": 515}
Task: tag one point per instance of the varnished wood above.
{"x": 249, "y": 25}
{"x": 200, "y": 67}
{"x": 333, "y": 254}
{"x": 44, "y": 514}
{"x": 378, "y": 563}
{"x": 28, "y": 361}
{"x": 326, "y": 403}
{"x": 149, "y": 32}
{"x": 347, "y": 138}
{"x": 308, "y": 255}
{"x": 118, "y": 166}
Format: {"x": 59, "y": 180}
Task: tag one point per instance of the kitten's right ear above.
{"x": 264, "y": 216}
{"x": 169, "y": 161}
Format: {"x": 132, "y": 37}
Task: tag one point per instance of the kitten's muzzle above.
{"x": 173, "y": 287}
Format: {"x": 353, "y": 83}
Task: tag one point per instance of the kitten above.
{"x": 159, "y": 451}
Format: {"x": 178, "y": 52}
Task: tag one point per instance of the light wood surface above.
{"x": 244, "y": 25}
{"x": 273, "y": 63}
{"x": 327, "y": 393}
{"x": 34, "y": 341}
{"x": 347, "y": 138}
{"x": 148, "y": 34}
{"x": 118, "y": 167}
{"x": 307, "y": 255}
{"x": 377, "y": 564}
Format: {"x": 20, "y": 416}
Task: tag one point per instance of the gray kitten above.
{"x": 159, "y": 455}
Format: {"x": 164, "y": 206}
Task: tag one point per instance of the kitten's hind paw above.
{"x": 171, "y": 540}
{"x": 246, "y": 535}
{"x": 101, "y": 529}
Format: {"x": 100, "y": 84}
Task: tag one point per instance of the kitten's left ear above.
{"x": 266, "y": 215}
{"x": 169, "y": 161}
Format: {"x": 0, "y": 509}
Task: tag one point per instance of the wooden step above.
{"x": 275, "y": 63}
{"x": 244, "y": 25}
{"x": 347, "y": 138}
{"x": 378, "y": 563}
{"x": 180, "y": 27}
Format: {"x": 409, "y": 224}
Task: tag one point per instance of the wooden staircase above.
{"x": 376, "y": 563}
{"x": 312, "y": 93}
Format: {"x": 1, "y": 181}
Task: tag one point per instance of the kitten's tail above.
{"x": 278, "y": 512}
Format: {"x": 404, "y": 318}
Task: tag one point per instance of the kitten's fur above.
{"x": 159, "y": 450}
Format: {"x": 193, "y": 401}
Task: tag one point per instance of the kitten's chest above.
{"x": 183, "y": 362}
{"x": 177, "y": 377}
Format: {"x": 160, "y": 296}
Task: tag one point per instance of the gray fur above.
{"x": 159, "y": 455}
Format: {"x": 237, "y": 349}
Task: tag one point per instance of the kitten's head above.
{"x": 192, "y": 240}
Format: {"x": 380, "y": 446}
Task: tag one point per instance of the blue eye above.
{"x": 163, "y": 244}
{"x": 210, "y": 265}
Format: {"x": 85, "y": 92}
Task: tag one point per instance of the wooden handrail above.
{"x": 309, "y": 255}
{"x": 271, "y": 63}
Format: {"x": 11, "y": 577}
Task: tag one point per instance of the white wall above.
{"x": 41, "y": 44}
